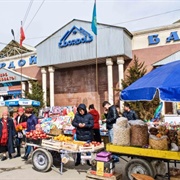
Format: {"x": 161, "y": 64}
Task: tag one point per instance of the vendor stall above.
{"x": 145, "y": 161}
{"x": 42, "y": 157}
{"x": 163, "y": 140}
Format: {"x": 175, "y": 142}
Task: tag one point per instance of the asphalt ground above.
{"x": 18, "y": 169}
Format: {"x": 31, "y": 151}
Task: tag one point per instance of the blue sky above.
{"x": 53, "y": 14}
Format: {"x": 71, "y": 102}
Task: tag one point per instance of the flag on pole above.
{"x": 22, "y": 35}
{"x": 94, "y": 20}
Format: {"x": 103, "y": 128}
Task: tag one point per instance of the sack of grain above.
{"x": 121, "y": 136}
{"x": 139, "y": 135}
{"x": 122, "y": 122}
{"x": 158, "y": 143}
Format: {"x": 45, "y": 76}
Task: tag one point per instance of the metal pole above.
{"x": 21, "y": 78}
{"x": 96, "y": 67}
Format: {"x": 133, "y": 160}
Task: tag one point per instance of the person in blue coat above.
{"x": 83, "y": 122}
{"x": 32, "y": 121}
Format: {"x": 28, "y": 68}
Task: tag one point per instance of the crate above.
{"x": 34, "y": 141}
{"x": 99, "y": 147}
{"x": 175, "y": 177}
{"x": 52, "y": 144}
{"x": 86, "y": 149}
{"x": 69, "y": 146}
{"x": 91, "y": 148}
{"x": 91, "y": 176}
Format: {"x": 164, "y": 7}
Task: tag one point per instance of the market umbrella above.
{"x": 164, "y": 80}
{"x": 21, "y": 102}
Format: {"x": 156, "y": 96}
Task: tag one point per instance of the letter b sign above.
{"x": 153, "y": 39}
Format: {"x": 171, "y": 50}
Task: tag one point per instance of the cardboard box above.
{"x": 108, "y": 167}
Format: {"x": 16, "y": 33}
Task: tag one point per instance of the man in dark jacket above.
{"x": 20, "y": 137}
{"x": 83, "y": 122}
{"x": 111, "y": 116}
{"x": 129, "y": 113}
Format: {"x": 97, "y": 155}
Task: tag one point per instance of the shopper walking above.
{"x": 7, "y": 134}
{"x": 96, "y": 128}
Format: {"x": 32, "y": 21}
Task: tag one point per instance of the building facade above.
{"x": 157, "y": 47}
{"x": 79, "y": 67}
{"x": 75, "y": 66}
{"x": 18, "y": 67}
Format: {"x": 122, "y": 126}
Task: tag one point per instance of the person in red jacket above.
{"x": 96, "y": 128}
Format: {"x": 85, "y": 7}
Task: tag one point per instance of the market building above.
{"x": 156, "y": 47}
{"x": 18, "y": 67}
{"x": 77, "y": 70}
{"x": 75, "y": 66}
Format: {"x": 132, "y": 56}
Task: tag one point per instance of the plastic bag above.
{"x": 20, "y": 135}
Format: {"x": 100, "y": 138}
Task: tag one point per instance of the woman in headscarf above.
{"x": 7, "y": 133}
{"x": 32, "y": 121}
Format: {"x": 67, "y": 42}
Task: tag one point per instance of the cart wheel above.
{"x": 42, "y": 160}
{"x": 138, "y": 166}
{"x": 159, "y": 167}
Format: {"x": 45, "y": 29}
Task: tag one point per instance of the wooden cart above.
{"x": 42, "y": 156}
{"x": 144, "y": 160}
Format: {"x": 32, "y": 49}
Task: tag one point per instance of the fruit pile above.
{"x": 93, "y": 143}
{"x": 36, "y": 134}
{"x": 21, "y": 126}
{"x": 62, "y": 138}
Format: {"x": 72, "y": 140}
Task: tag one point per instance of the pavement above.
{"x": 18, "y": 169}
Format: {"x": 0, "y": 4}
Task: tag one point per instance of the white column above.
{"x": 44, "y": 84}
{"x": 174, "y": 107}
{"x": 109, "y": 64}
{"x": 30, "y": 86}
{"x": 23, "y": 84}
{"x": 51, "y": 80}
{"x": 120, "y": 62}
{"x": 163, "y": 109}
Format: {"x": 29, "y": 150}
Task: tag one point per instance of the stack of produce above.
{"x": 121, "y": 132}
{"x": 178, "y": 138}
{"x": 158, "y": 138}
{"x": 172, "y": 135}
{"x": 139, "y": 133}
{"x": 36, "y": 134}
{"x": 62, "y": 138}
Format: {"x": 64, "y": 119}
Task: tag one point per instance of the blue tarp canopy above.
{"x": 164, "y": 80}
{"x": 21, "y": 102}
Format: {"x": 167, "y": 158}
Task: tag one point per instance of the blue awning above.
{"x": 15, "y": 92}
{"x": 164, "y": 80}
